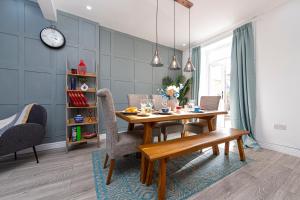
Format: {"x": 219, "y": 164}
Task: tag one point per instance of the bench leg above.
{"x": 162, "y": 179}
{"x": 241, "y": 149}
{"x": 216, "y": 150}
{"x": 226, "y": 148}
{"x": 143, "y": 169}
{"x": 149, "y": 173}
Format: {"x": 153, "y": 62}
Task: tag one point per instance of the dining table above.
{"x": 150, "y": 120}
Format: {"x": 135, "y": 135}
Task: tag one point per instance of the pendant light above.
{"x": 189, "y": 67}
{"x": 156, "y": 62}
{"x": 174, "y": 65}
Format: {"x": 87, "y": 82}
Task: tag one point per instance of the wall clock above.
{"x": 52, "y": 38}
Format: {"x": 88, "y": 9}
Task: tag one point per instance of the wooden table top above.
{"x": 135, "y": 119}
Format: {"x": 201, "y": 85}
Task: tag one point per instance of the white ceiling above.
{"x": 137, "y": 17}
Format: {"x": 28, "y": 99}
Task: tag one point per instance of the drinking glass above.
{"x": 164, "y": 102}
{"x": 149, "y": 105}
{"x": 143, "y": 105}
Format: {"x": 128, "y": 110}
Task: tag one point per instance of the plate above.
{"x": 165, "y": 113}
{"x": 143, "y": 115}
{"x": 201, "y": 111}
{"x": 129, "y": 113}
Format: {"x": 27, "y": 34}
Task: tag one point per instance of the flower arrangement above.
{"x": 177, "y": 88}
{"x": 171, "y": 91}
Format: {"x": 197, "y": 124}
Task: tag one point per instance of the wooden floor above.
{"x": 63, "y": 175}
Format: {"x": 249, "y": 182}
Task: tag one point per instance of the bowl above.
{"x": 165, "y": 110}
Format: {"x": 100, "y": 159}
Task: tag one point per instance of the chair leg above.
{"x": 165, "y": 136}
{"x": 15, "y": 155}
{"x": 226, "y": 148}
{"x": 216, "y": 150}
{"x": 149, "y": 173}
{"x": 105, "y": 161}
{"x": 159, "y": 138}
{"x": 111, "y": 168}
{"x": 241, "y": 149}
{"x": 35, "y": 154}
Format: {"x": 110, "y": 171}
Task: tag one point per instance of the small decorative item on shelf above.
{"x": 78, "y": 119}
{"x": 84, "y": 87}
{"x": 78, "y": 133}
{"x": 88, "y": 135}
{"x": 73, "y": 71}
{"x": 74, "y": 134}
{"x": 77, "y": 99}
{"x": 90, "y": 117}
{"x": 81, "y": 68}
{"x": 73, "y": 83}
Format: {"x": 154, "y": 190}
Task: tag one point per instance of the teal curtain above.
{"x": 196, "y": 59}
{"x": 243, "y": 82}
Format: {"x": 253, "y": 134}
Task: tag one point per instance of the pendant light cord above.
{"x": 174, "y": 28}
{"x": 156, "y": 23}
{"x": 189, "y": 32}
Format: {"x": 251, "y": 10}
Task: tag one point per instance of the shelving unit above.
{"x": 90, "y": 113}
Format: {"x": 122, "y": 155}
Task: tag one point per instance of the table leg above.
{"x": 147, "y": 140}
{"x": 211, "y": 128}
{"x": 130, "y": 126}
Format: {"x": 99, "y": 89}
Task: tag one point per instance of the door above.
{"x": 218, "y": 64}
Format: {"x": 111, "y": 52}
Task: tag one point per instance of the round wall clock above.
{"x": 52, "y": 38}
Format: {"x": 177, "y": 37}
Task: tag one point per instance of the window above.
{"x": 215, "y": 75}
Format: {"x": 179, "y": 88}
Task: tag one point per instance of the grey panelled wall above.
{"x": 125, "y": 66}
{"x": 31, "y": 72}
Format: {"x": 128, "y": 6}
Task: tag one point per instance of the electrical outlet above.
{"x": 281, "y": 127}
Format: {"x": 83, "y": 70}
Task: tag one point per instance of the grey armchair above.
{"x": 29, "y": 134}
{"x": 117, "y": 144}
{"x": 135, "y": 100}
{"x": 168, "y": 127}
{"x": 201, "y": 126}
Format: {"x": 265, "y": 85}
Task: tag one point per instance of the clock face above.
{"x": 52, "y": 38}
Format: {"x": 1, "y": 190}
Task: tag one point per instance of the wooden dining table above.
{"x": 150, "y": 121}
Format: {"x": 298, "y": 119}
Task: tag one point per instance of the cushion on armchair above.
{"x": 19, "y": 118}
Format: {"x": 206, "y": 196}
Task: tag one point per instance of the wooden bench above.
{"x": 173, "y": 148}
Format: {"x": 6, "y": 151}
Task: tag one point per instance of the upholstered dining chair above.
{"x": 135, "y": 100}
{"x": 167, "y": 127}
{"x": 206, "y": 103}
{"x": 117, "y": 144}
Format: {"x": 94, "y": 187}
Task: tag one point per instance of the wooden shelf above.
{"x": 91, "y": 90}
{"x": 85, "y": 107}
{"x": 88, "y": 74}
{"x": 86, "y": 111}
{"x": 83, "y": 140}
{"x": 86, "y": 121}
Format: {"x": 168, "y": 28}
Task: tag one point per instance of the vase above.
{"x": 172, "y": 103}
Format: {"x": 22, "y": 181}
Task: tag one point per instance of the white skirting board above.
{"x": 54, "y": 145}
{"x": 280, "y": 148}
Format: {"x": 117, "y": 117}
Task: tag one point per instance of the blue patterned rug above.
{"x": 186, "y": 176}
